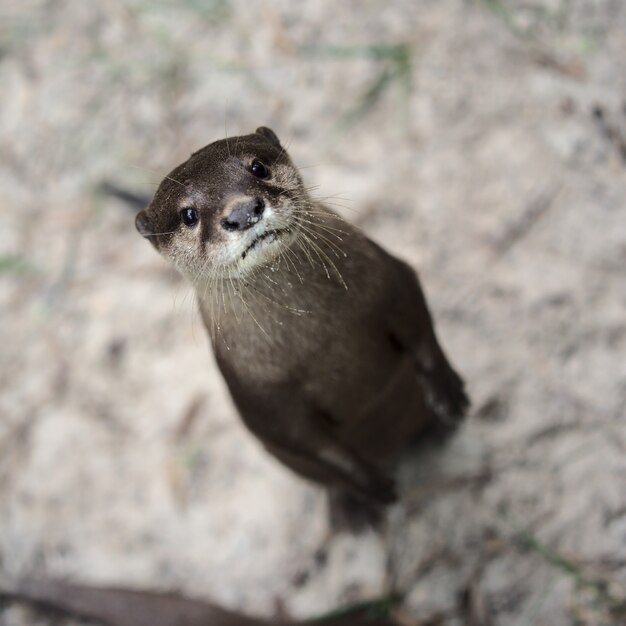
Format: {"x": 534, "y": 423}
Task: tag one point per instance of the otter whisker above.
{"x": 331, "y": 230}
{"x": 226, "y": 133}
{"x": 311, "y": 209}
{"x": 169, "y": 232}
{"x": 259, "y": 292}
{"x": 336, "y": 250}
{"x": 214, "y": 293}
{"x": 325, "y": 229}
{"x": 153, "y": 171}
{"x": 290, "y": 253}
{"x": 209, "y": 279}
{"x": 315, "y": 249}
{"x": 176, "y": 181}
{"x": 254, "y": 319}
{"x": 300, "y": 242}
{"x": 210, "y": 286}
{"x": 318, "y": 250}
{"x": 283, "y": 150}
{"x": 289, "y": 261}
{"x": 305, "y": 208}
{"x": 331, "y": 200}
{"x": 235, "y": 292}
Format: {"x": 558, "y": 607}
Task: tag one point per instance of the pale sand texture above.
{"x": 122, "y": 459}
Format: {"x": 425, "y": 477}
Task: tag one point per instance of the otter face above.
{"x": 228, "y": 209}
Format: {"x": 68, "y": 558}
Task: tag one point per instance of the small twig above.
{"x": 573, "y": 570}
{"x": 189, "y": 417}
{"x": 473, "y": 605}
{"x": 377, "y": 607}
{"x": 521, "y": 228}
{"x": 134, "y": 200}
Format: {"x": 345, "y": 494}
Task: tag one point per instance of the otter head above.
{"x": 228, "y": 209}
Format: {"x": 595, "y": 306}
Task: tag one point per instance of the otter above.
{"x": 113, "y": 606}
{"x": 324, "y": 339}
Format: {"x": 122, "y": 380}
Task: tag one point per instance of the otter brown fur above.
{"x": 124, "y": 607}
{"x": 324, "y": 339}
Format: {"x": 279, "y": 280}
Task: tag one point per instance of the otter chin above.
{"x": 324, "y": 339}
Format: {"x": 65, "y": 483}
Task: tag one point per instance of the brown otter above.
{"x": 324, "y": 339}
{"x": 124, "y": 607}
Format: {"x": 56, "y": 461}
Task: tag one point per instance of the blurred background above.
{"x": 484, "y": 141}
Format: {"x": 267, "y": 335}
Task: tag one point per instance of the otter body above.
{"x": 324, "y": 339}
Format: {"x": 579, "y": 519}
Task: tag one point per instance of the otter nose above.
{"x": 244, "y": 215}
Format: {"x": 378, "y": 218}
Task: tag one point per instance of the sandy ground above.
{"x": 494, "y": 161}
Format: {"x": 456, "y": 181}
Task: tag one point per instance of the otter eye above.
{"x": 189, "y": 217}
{"x": 258, "y": 169}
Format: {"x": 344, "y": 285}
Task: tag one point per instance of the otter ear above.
{"x": 142, "y": 224}
{"x": 269, "y": 134}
